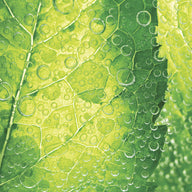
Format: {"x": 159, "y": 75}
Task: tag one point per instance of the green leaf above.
{"x": 174, "y": 172}
{"x": 81, "y": 86}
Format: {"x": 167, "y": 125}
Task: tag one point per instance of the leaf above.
{"x": 81, "y": 87}
{"x": 174, "y": 172}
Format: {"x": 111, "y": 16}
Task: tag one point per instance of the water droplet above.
{"x": 97, "y": 26}
{"x": 153, "y": 145}
{"x": 5, "y": 91}
{"x": 108, "y": 109}
{"x": 130, "y": 154}
{"x": 145, "y": 174}
{"x": 65, "y": 6}
{"x": 126, "y": 50}
{"x": 3, "y": 45}
{"x": 43, "y": 72}
{"x": 154, "y": 110}
{"x": 18, "y": 37}
{"x": 115, "y": 173}
{"x": 30, "y": 130}
{"x": 143, "y": 18}
{"x": 157, "y": 73}
{"x": 48, "y": 138}
{"x": 116, "y": 39}
{"x": 83, "y": 137}
{"x": 157, "y": 58}
{"x": 110, "y": 20}
{"x": 44, "y": 29}
{"x": 26, "y": 106}
{"x": 125, "y": 77}
{"x": 29, "y": 19}
{"x": 70, "y": 62}
{"x": 93, "y": 140}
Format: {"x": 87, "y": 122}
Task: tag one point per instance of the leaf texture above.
{"x": 82, "y": 85}
{"x": 174, "y": 34}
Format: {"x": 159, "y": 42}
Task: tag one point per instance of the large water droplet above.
{"x": 70, "y": 62}
{"x": 5, "y": 91}
{"x": 64, "y": 6}
{"x": 43, "y": 72}
{"x": 143, "y": 18}
{"x": 26, "y": 106}
{"x": 125, "y": 77}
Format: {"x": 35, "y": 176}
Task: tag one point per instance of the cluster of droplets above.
{"x": 89, "y": 98}
{"x": 174, "y": 170}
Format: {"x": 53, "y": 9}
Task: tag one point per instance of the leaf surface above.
{"x": 174, "y": 34}
{"x": 81, "y": 87}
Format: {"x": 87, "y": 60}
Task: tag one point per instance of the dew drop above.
{"x": 143, "y": 18}
{"x": 126, "y": 50}
{"x": 125, "y": 77}
{"x": 18, "y": 37}
{"x": 26, "y": 106}
{"x": 110, "y": 20}
{"x": 108, "y": 109}
{"x": 44, "y": 29}
{"x": 70, "y": 62}
{"x": 116, "y": 39}
{"x": 145, "y": 174}
{"x": 29, "y": 19}
{"x": 65, "y": 7}
{"x": 43, "y": 72}
{"x": 5, "y": 91}
{"x": 153, "y": 146}
{"x": 97, "y": 26}
{"x": 3, "y": 45}
{"x": 130, "y": 154}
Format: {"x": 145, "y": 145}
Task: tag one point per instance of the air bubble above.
{"x": 5, "y": 91}
{"x": 26, "y": 106}
{"x": 125, "y": 77}
{"x": 43, "y": 72}
{"x": 143, "y": 18}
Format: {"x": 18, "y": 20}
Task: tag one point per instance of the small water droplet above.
{"x": 97, "y": 26}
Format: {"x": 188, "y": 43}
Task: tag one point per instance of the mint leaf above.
{"x": 81, "y": 87}
{"x": 174, "y": 172}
